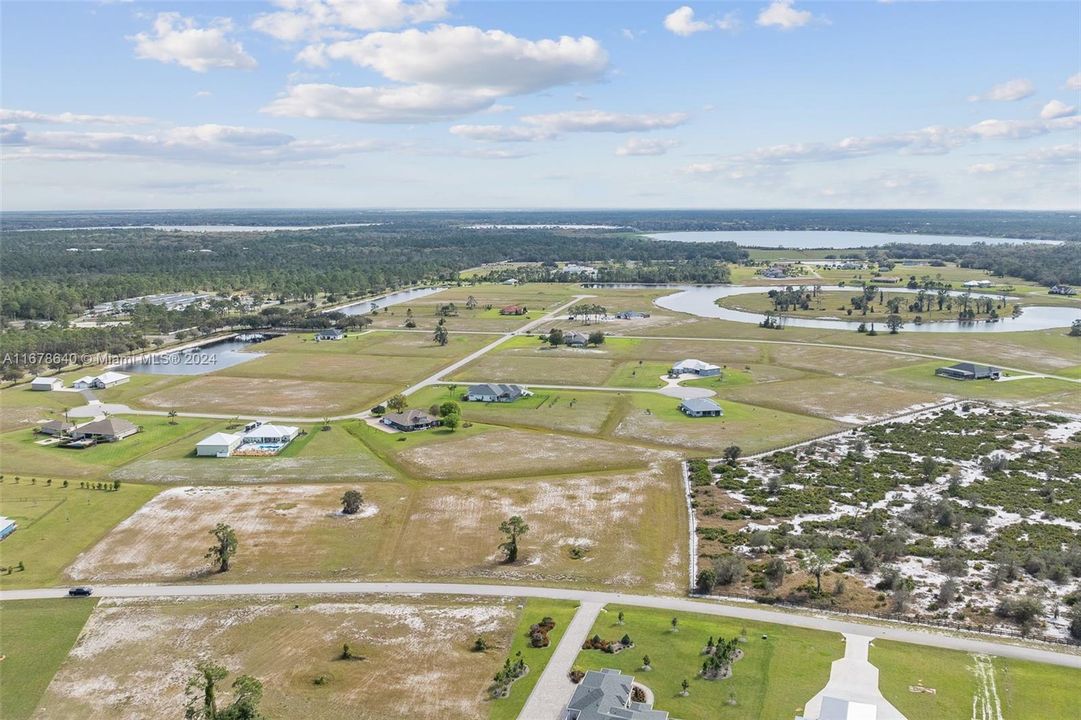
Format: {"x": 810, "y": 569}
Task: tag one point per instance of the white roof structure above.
{"x": 837, "y": 709}
{"x": 692, "y": 365}
{"x": 269, "y": 430}
{"x": 111, "y": 376}
{"x": 219, "y": 438}
{"x": 84, "y": 380}
{"x": 46, "y": 382}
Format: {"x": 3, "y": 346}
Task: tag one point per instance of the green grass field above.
{"x": 35, "y": 637}
{"x": 21, "y": 455}
{"x": 1024, "y": 689}
{"x": 560, "y": 410}
{"x": 56, "y": 524}
{"x": 536, "y": 658}
{"x": 772, "y": 681}
{"x": 923, "y": 376}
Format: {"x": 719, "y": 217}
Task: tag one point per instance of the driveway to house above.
{"x": 855, "y": 679}
{"x": 900, "y": 632}
{"x": 554, "y": 689}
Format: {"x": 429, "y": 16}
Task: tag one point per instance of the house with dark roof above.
{"x": 969, "y": 371}
{"x": 606, "y": 695}
{"x": 575, "y": 338}
{"x": 513, "y": 310}
{"x": 495, "y": 392}
{"x": 694, "y": 367}
{"x": 411, "y": 420}
{"x": 108, "y": 429}
{"x": 631, "y": 315}
{"x": 700, "y": 407}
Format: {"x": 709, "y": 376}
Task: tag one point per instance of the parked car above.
{"x": 80, "y": 592}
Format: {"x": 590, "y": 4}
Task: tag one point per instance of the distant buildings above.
{"x": 631, "y": 315}
{"x": 700, "y": 407}
{"x": 969, "y": 371}
{"x": 171, "y": 301}
{"x": 45, "y": 384}
{"x": 330, "y": 334}
{"x": 977, "y": 283}
{"x": 584, "y": 270}
{"x": 606, "y": 695}
{"x": 493, "y": 392}
{"x": 1062, "y": 290}
{"x": 513, "y": 310}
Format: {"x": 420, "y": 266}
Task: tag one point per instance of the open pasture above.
{"x": 563, "y": 411}
{"x": 848, "y": 400}
{"x": 22, "y": 407}
{"x": 106, "y": 675}
{"x": 270, "y": 397}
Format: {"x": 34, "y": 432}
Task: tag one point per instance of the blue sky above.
{"x": 428, "y": 103}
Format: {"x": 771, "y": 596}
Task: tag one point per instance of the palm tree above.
{"x": 817, "y": 563}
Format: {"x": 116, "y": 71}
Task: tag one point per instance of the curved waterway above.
{"x": 702, "y": 301}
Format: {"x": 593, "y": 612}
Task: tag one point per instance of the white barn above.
{"x": 44, "y": 384}
{"x": 220, "y": 444}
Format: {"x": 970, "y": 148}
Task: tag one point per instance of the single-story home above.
{"x": 411, "y": 420}
{"x": 694, "y": 367}
{"x": 977, "y": 283}
{"x": 606, "y": 695}
{"x": 513, "y": 310}
{"x": 700, "y": 407}
{"x": 774, "y": 273}
{"x": 495, "y": 392}
{"x": 1062, "y": 290}
{"x": 220, "y": 444}
{"x": 575, "y": 269}
{"x": 575, "y": 339}
{"x": 969, "y": 371}
{"x": 44, "y": 384}
{"x": 330, "y": 334}
{"x": 106, "y": 380}
{"x": 108, "y": 429}
{"x": 56, "y": 428}
{"x": 269, "y": 434}
{"x": 7, "y": 526}
{"x": 631, "y": 315}
{"x": 510, "y": 281}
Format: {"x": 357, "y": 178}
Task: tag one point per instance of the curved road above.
{"x": 750, "y": 612}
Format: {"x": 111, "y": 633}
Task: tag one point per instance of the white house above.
{"x": 977, "y": 283}
{"x": 110, "y": 378}
{"x": 694, "y": 367}
{"x": 573, "y": 269}
{"x": 269, "y": 434}
{"x": 220, "y": 444}
{"x": 44, "y": 384}
{"x": 495, "y": 392}
{"x": 84, "y": 383}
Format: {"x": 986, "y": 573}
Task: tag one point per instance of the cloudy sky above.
{"x": 433, "y": 103}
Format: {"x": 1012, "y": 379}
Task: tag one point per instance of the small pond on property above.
{"x": 195, "y": 360}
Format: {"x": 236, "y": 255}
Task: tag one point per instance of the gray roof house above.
{"x": 606, "y": 695}
{"x": 56, "y": 428}
{"x": 969, "y": 371}
{"x": 411, "y": 420}
{"x": 575, "y": 339}
{"x": 330, "y": 334}
{"x": 700, "y": 407}
{"x": 495, "y": 392}
{"x": 108, "y": 429}
{"x": 631, "y": 315}
{"x": 694, "y": 367}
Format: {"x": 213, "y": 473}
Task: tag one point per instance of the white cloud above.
{"x": 468, "y": 57}
{"x": 68, "y": 118}
{"x": 681, "y": 22}
{"x": 177, "y": 39}
{"x": 321, "y": 19}
{"x": 1009, "y": 91}
{"x": 985, "y": 168}
{"x": 1074, "y": 82}
{"x": 399, "y": 104}
{"x": 600, "y": 121}
{"x": 211, "y": 143}
{"x": 645, "y": 146}
{"x": 203, "y": 93}
{"x": 502, "y": 133}
{"x": 1057, "y": 109}
{"x": 783, "y": 14}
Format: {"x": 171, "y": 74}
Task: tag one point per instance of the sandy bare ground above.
{"x": 133, "y": 658}
{"x": 278, "y": 397}
{"x": 246, "y": 471}
{"x": 507, "y": 453}
{"x": 283, "y": 530}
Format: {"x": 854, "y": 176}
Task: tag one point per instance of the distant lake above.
{"x": 363, "y": 307}
{"x": 205, "y": 228}
{"x": 829, "y": 239}
{"x": 196, "y": 360}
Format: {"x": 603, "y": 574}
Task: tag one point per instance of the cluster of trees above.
{"x": 202, "y": 695}
{"x": 709, "y": 269}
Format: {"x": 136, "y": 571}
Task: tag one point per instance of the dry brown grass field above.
{"x": 283, "y": 398}
{"x": 133, "y": 658}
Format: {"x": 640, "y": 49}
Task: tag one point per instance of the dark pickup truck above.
{"x": 80, "y": 592}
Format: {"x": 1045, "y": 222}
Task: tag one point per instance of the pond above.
{"x": 364, "y": 307}
{"x": 829, "y": 239}
{"x": 702, "y": 301}
{"x": 196, "y": 360}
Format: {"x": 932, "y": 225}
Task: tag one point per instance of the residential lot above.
{"x": 263, "y": 396}
{"x": 287, "y": 648}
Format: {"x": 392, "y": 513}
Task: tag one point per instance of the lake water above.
{"x": 828, "y": 239}
{"x": 702, "y": 301}
{"x": 196, "y": 361}
{"x": 364, "y": 307}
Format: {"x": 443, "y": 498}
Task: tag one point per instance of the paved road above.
{"x": 749, "y": 611}
{"x": 554, "y": 689}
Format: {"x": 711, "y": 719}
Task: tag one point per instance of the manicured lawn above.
{"x": 20, "y": 406}
{"x": 21, "y": 455}
{"x": 1024, "y": 689}
{"x": 923, "y": 376}
{"x": 536, "y": 658}
{"x": 35, "y": 637}
{"x": 566, "y": 410}
{"x": 56, "y": 524}
{"x": 638, "y": 374}
{"x": 772, "y": 681}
